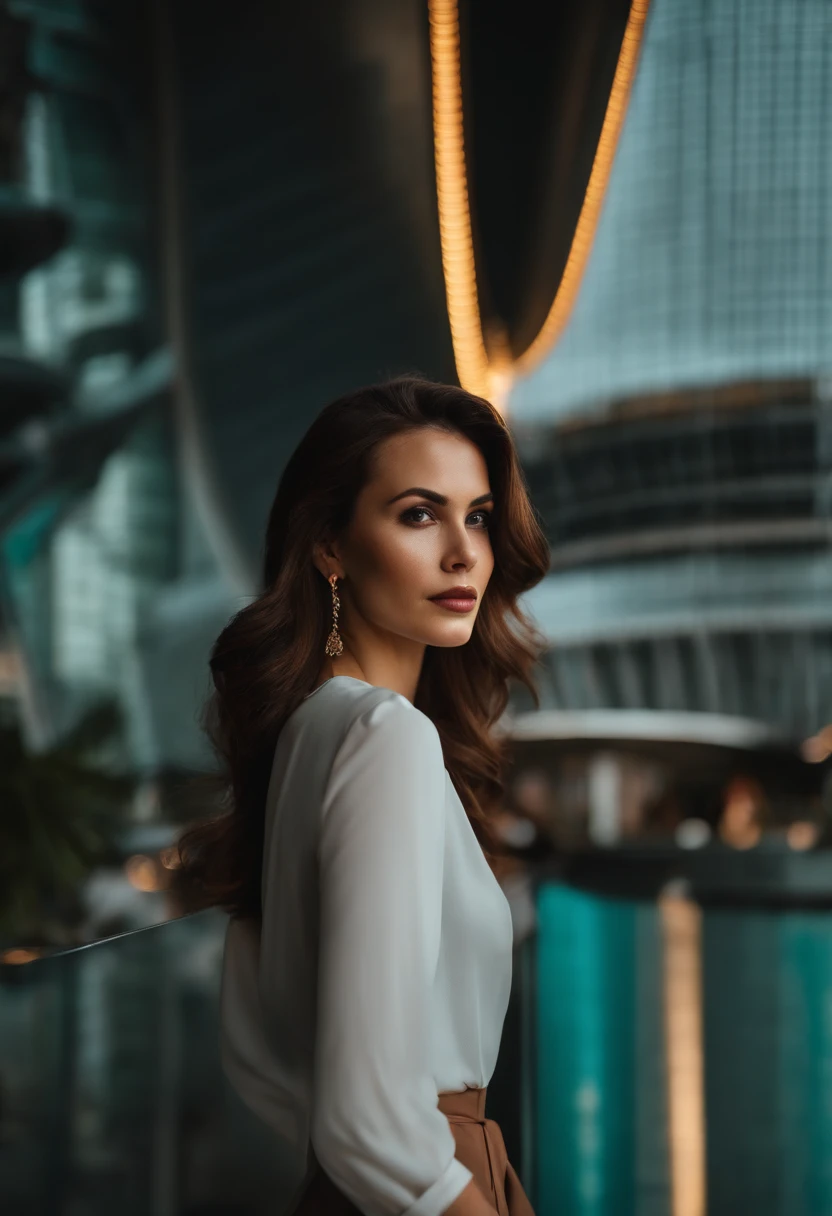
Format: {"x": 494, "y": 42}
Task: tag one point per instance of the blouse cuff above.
{"x": 441, "y": 1194}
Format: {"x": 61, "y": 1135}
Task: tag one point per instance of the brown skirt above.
{"x": 479, "y": 1146}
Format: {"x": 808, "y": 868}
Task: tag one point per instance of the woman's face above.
{"x": 420, "y": 528}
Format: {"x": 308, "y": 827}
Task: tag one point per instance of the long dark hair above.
{"x": 268, "y": 656}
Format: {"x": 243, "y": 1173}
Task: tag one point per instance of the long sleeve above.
{"x": 376, "y": 1127}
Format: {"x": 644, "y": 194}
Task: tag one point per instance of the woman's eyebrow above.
{"x": 440, "y": 499}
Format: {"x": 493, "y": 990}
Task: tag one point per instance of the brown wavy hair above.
{"x": 269, "y": 655}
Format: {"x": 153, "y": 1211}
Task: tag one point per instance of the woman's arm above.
{"x": 376, "y": 1126}
{"x": 471, "y": 1202}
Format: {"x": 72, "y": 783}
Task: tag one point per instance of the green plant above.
{"x": 61, "y": 813}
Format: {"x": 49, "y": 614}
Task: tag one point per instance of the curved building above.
{"x": 678, "y": 436}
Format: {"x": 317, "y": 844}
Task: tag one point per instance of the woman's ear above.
{"x": 326, "y": 560}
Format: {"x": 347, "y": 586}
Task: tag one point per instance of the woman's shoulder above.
{"x": 344, "y": 705}
{"x": 387, "y": 752}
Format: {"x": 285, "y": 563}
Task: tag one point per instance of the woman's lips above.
{"x": 463, "y": 604}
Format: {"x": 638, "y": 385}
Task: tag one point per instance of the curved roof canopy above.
{"x": 711, "y": 261}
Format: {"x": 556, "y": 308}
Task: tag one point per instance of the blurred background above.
{"x": 614, "y": 220}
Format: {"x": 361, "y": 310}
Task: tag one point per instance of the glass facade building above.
{"x": 89, "y": 503}
{"x": 677, "y": 436}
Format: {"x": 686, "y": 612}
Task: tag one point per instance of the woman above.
{"x": 367, "y": 962}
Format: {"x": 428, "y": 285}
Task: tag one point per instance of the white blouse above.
{"x": 382, "y": 971}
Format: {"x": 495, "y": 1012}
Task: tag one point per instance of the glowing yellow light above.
{"x": 455, "y": 231}
{"x": 19, "y": 954}
{"x": 682, "y": 932}
{"x": 170, "y": 858}
{"x": 486, "y": 368}
{"x": 142, "y": 873}
{"x": 740, "y": 824}
{"x": 802, "y": 835}
{"x": 818, "y": 747}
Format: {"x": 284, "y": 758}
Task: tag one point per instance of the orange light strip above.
{"x": 681, "y": 922}
{"x": 478, "y": 372}
{"x": 456, "y": 235}
{"x": 596, "y": 189}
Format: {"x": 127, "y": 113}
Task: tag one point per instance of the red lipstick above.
{"x": 456, "y": 599}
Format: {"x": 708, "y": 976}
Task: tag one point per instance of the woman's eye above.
{"x": 408, "y": 516}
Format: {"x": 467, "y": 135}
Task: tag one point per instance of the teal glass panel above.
{"x": 768, "y": 1061}
{"x": 112, "y": 1096}
{"x": 600, "y": 1142}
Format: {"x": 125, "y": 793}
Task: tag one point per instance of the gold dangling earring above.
{"x": 334, "y": 643}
